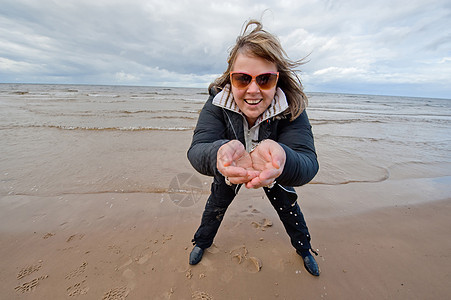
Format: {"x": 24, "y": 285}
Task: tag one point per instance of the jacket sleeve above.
{"x": 301, "y": 163}
{"x": 209, "y": 136}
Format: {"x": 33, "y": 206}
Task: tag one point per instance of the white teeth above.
{"x": 253, "y": 101}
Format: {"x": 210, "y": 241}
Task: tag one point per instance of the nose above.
{"x": 253, "y": 87}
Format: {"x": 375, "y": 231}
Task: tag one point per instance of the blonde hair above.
{"x": 263, "y": 44}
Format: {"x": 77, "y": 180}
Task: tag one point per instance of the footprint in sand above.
{"x": 31, "y": 285}
{"x": 280, "y": 261}
{"x": 198, "y": 295}
{"x": 80, "y": 288}
{"x": 29, "y": 270}
{"x": 126, "y": 264}
{"x": 213, "y": 249}
{"x": 252, "y": 212}
{"x": 189, "y": 274}
{"x": 73, "y": 237}
{"x": 226, "y": 276}
{"x": 251, "y": 264}
{"x": 48, "y": 235}
{"x": 119, "y": 293}
{"x": 167, "y": 237}
{"x": 129, "y": 276}
{"x": 265, "y": 223}
{"x": 115, "y": 249}
{"x": 141, "y": 254}
{"x": 144, "y": 258}
{"x": 78, "y": 271}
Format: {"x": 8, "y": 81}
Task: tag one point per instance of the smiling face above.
{"x": 252, "y": 100}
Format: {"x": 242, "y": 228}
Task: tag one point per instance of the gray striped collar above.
{"x": 278, "y": 105}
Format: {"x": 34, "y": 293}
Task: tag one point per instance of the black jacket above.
{"x": 216, "y": 126}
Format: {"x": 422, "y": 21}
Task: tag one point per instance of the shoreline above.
{"x": 205, "y": 89}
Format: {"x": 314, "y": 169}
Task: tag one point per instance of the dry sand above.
{"x": 376, "y": 240}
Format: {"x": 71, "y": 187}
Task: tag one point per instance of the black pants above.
{"x": 282, "y": 199}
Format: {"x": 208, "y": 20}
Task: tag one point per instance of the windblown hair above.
{"x": 263, "y": 44}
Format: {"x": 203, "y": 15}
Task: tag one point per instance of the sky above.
{"x": 384, "y": 47}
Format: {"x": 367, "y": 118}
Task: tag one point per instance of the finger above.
{"x": 258, "y": 183}
{"x": 274, "y": 153}
{"x": 278, "y": 160}
{"x": 254, "y": 182}
{"x": 251, "y": 185}
{"x": 269, "y": 174}
{"x": 235, "y": 148}
{"x": 238, "y": 180}
{"x": 224, "y": 159}
{"x": 265, "y": 178}
{"x": 230, "y": 147}
{"x": 233, "y": 171}
{"x": 251, "y": 174}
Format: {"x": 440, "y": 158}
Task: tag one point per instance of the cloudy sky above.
{"x": 390, "y": 47}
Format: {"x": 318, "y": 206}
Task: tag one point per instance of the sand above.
{"x": 118, "y": 246}
{"x": 385, "y": 237}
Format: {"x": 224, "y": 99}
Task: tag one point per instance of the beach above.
{"x": 98, "y": 201}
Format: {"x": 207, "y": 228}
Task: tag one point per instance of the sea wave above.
{"x": 87, "y": 128}
{"x": 343, "y": 121}
{"x": 343, "y": 182}
{"x": 375, "y": 112}
{"x": 152, "y": 111}
{"x": 147, "y": 128}
{"x": 104, "y": 95}
{"x": 387, "y": 139}
{"x": 149, "y": 190}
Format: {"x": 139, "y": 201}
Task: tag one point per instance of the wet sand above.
{"x": 377, "y": 239}
{"x": 97, "y": 247}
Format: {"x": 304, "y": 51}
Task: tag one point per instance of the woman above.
{"x": 254, "y": 131}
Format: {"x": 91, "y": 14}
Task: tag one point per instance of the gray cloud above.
{"x": 353, "y": 46}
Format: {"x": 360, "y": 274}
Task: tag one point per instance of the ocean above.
{"x": 65, "y": 139}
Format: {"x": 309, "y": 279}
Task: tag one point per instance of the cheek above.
{"x": 269, "y": 94}
{"x": 237, "y": 94}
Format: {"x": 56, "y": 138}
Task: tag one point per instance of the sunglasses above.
{"x": 265, "y": 81}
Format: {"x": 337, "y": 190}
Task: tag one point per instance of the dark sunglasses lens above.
{"x": 266, "y": 81}
{"x": 241, "y": 80}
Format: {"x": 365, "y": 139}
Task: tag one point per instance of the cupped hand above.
{"x": 268, "y": 159}
{"x": 235, "y": 163}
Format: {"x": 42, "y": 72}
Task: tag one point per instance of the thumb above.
{"x": 226, "y": 162}
{"x": 277, "y": 161}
